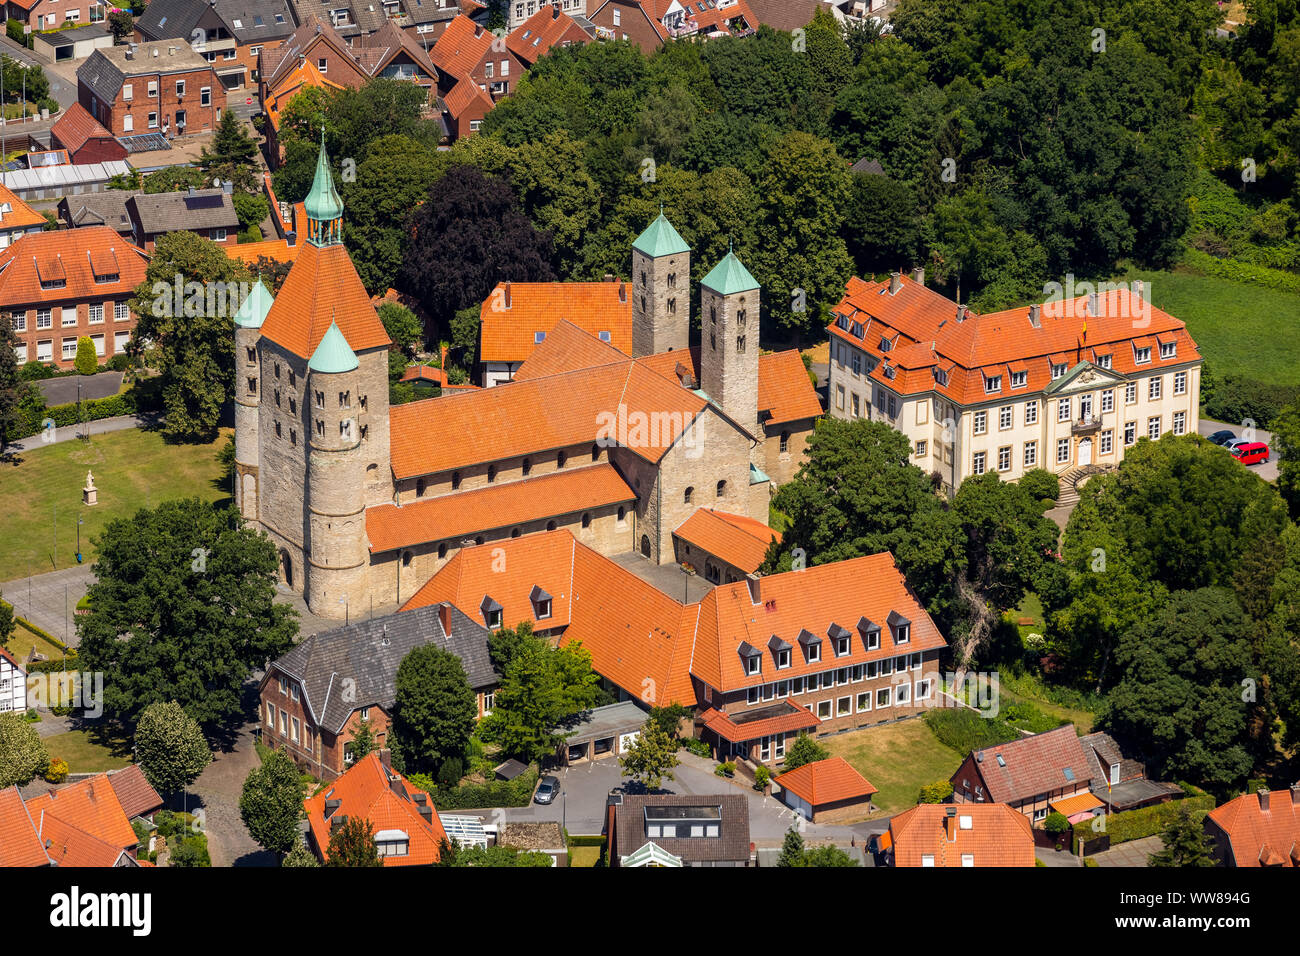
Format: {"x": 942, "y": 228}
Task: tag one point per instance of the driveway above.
{"x": 68, "y": 388}
{"x": 50, "y": 600}
{"x": 1131, "y": 854}
{"x": 69, "y": 432}
{"x": 1266, "y": 470}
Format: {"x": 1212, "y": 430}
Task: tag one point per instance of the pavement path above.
{"x": 69, "y": 432}
{"x": 1131, "y": 854}
{"x": 217, "y": 793}
{"x": 50, "y": 600}
{"x": 67, "y": 388}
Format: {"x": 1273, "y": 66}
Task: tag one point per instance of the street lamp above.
{"x": 80, "y": 521}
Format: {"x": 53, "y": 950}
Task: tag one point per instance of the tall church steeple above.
{"x": 323, "y": 205}
{"x": 661, "y": 278}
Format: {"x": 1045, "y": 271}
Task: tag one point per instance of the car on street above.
{"x": 546, "y": 790}
{"x": 1222, "y": 436}
{"x": 1251, "y": 452}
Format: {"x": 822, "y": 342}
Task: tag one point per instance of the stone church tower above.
{"x": 248, "y": 375}
{"x": 729, "y": 300}
{"x": 661, "y": 290}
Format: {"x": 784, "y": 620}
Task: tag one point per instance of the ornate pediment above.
{"x": 1084, "y": 377}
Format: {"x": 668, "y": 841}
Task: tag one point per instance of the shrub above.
{"x": 22, "y": 752}
{"x": 34, "y": 371}
{"x": 936, "y": 792}
{"x": 477, "y": 796}
{"x": 696, "y": 746}
{"x": 762, "y": 776}
{"x": 449, "y": 774}
{"x": 804, "y": 750}
{"x": 1056, "y": 824}
{"x": 57, "y": 771}
{"x": 1235, "y": 399}
{"x": 1136, "y": 824}
{"x": 1041, "y": 484}
{"x": 87, "y": 363}
{"x": 48, "y": 103}
{"x": 727, "y": 769}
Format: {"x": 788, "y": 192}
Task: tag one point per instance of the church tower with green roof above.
{"x": 248, "y": 364}
{"x": 729, "y": 301}
{"x": 661, "y": 290}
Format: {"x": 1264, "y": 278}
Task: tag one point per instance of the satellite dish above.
{"x": 216, "y": 181}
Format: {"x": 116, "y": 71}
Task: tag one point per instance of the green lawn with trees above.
{"x": 898, "y": 759}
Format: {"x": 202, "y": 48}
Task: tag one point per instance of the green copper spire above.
{"x": 252, "y": 311}
{"x": 729, "y": 276}
{"x": 323, "y": 205}
{"x": 333, "y": 355}
{"x": 660, "y": 239}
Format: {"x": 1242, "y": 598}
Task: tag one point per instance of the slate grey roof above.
{"x": 105, "y": 69}
{"x": 624, "y": 717}
{"x": 176, "y": 18}
{"x": 1102, "y": 751}
{"x": 731, "y": 845}
{"x": 871, "y": 167}
{"x": 170, "y": 18}
{"x": 428, "y": 11}
{"x": 74, "y": 36}
{"x": 365, "y": 16}
{"x": 173, "y": 212}
{"x": 324, "y": 661}
{"x": 98, "y": 209}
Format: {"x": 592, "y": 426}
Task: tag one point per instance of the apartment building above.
{"x": 1060, "y": 385}
{"x": 162, "y": 87}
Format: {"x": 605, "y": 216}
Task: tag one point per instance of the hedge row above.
{"x": 1239, "y": 271}
{"x": 1136, "y": 824}
{"x": 65, "y": 416}
{"x": 586, "y": 840}
{"x": 479, "y": 796}
{"x": 1233, "y": 399}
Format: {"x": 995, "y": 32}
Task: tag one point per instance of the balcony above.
{"x": 1082, "y": 426}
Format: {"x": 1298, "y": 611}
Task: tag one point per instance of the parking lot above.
{"x": 1266, "y": 470}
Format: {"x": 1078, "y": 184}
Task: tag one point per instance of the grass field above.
{"x": 1231, "y": 320}
{"x": 897, "y": 758}
{"x": 133, "y": 469}
{"x": 90, "y": 751}
{"x": 585, "y": 855}
{"x": 21, "y": 644}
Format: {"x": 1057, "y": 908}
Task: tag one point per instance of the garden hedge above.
{"x": 1136, "y": 824}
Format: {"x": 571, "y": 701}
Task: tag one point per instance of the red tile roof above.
{"x": 533, "y": 38}
{"x": 1260, "y": 837}
{"x": 371, "y": 791}
{"x": 784, "y": 390}
{"x": 461, "y": 47}
{"x": 90, "y": 805}
{"x": 136, "y": 795}
{"x": 446, "y": 517}
{"x": 508, "y": 332}
{"x": 788, "y": 718}
{"x": 465, "y": 94}
{"x": 250, "y": 252}
{"x": 66, "y": 255}
{"x": 826, "y": 781}
{"x": 69, "y": 845}
{"x": 1033, "y": 765}
{"x": 20, "y": 214}
{"x": 997, "y": 835}
{"x": 736, "y": 539}
{"x": 20, "y": 844}
{"x": 322, "y": 287}
{"x": 71, "y": 130}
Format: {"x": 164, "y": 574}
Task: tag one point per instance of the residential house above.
{"x": 58, "y": 286}
{"x": 406, "y": 828}
{"x": 599, "y": 733}
{"x": 16, "y": 217}
{"x": 1067, "y": 385}
{"x": 85, "y": 139}
{"x": 941, "y": 835}
{"x": 722, "y": 546}
{"x": 836, "y": 647}
{"x": 468, "y": 49}
{"x": 463, "y": 108}
{"x": 50, "y": 14}
{"x": 84, "y": 824}
{"x": 649, "y": 23}
{"x": 161, "y": 86}
{"x": 516, "y": 317}
{"x": 229, "y": 34}
{"x": 519, "y": 12}
{"x": 209, "y": 213}
{"x": 13, "y": 684}
{"x": 314, "y": 698}
{"x": 826, "y": 791}
{"x": 674, "y": 830}
{"x": 546, "y": 29}
{"x": 1118, "y": 782}
{"x": 1257, "y": 829}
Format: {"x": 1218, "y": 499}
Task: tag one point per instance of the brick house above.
{"x": 303, "y": 704}
{"x": 546, "y": 29}
{"x": 59, "y": 286}
{"x": 670, "y": 829}
{"x": 209, "y": 213}
{"x": 49, "y": 14}
{"x": 230, "y": 36}
{"x": 941, "y": 835}
{"x": 650, "y": 23}
{"x": 151, "y": 87}
{"x": 1257, "y": 829}
{"x": 85, "y": 139}
{"x": 468, "y": 49}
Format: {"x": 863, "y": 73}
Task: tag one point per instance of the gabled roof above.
{"x": 465, "y": 94}
{"x": 533, "y": 38}
{"x": 358, "y": 652}
{"x": 1032, "y": 765}
{"x": 195, "y": 210}
{"x": 826, "y": 781}
{"x": 90, "y": 805}
{"x": 20, "y": 844}
{"x": 732, "y": 815}
{"x": 280, "y": 61}
{"x": 1260, "y": 837}
{"x": 785, "y": 392}
{"x": 323, "y": 287}
{"x": 108, "y": 208}
{"x": 68, "y": 254}
{"x": 75, "y": 126}
{"x": 997, "y": 835}
{"x": 134, "y": 792}
{"x": 106, "y": 68}
{"x": 508, "y": 333}
{"x": 461, "y": 47}
{"x": 371, "y": 791}
{"x": 20, "y": 215}
{"x": 736, "y": 539}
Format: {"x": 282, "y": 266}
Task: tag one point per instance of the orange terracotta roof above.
{"x": 20, "y": 844}
{"x": 20, "y": 215}
{"x": 250, "y": 252}
{"x": 322, "y": 287}
{"x": 1262, "y": 837}
{"x": 784, "y": 390}
{"x": 499, "y": 506}
{"x": 532, "y": 560}
{"x": 424, "y": 373}
{"x": 75, "y": 126}
{"x": 69, "y": 845}
{"x": 925, "y": 334}
{"x": 65, "y": 255}
{"x": 826, "y": 781}
{"x": 464, "y": 95}
{"x": 736, "y": 539}
{"x": 813, "y": 599}
{"x": 533, "y": 38}
{"x": 537, "y": 415}
{"x": 508, "y": 333}
{"x": 787, "y": 718}
{"x": 91, "y": 805}
{"x": 997, "y": 835}
{"x": 373, "y": 792}
{"x": 461, "y": 46}
{"x": 1079, "y": 803}
{"x": 305, "y": 74}
{"x": 568, "y": 348}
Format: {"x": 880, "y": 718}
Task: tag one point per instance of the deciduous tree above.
{"x": 170, "y": 747}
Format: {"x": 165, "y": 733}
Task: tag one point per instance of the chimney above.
{"x": 1036, "y": 316}
{"x": 130, "y": 52}
{"x": 622, "y": 293}
{"x": 1138, "y": 288}
{"x": 1263, "y": 800}
{"x": 507, "y": 293}
{"x": 950, "y": 824}
{"x": 386, "y": 758}
{"x": 478, "y": 30}
{"x": 755, "y": 588}
{"x": 961, "y": 312}
{"x": 228, "y": 187}
{"x": 291, "y": 238}
{"x": 609, "y": 277}
{"x": 1295, "y": 793}
{"x": 444, "y": 617}
{"x": 1092, "y": 303}
{"x": 190, "y": 192}
{"x": 918, "y": 275}
{"x": 895, "y": 282}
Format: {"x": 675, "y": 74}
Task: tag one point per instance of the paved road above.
{"x": 1131, "y": 854}
{"x": 69, "y": 432}
{"x": 50, "y": 600}
{"x": 1266, "y": 470}
{"x": 217, "y": 792}
{"x": 66, "y": 388}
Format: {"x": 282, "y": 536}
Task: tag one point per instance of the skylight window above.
{"x": 539, "y": 338}
{"x": 239, "y": 24}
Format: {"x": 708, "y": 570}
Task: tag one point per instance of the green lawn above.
{"x": 90, "y": 751}
{"x": 898, "y": 758}
{"x": 1230, "y": 321}
{"x": 21, "y": 644}
{"x": 133, "y": 469}
{"x": 585, "y": 855}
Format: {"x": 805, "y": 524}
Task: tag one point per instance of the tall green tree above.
{"x": 170, "y": 747}
{"x": 1286, "y": 445}
{"x": 804, "y": 750}
{"x": 434, "y": 710}
{"x": 651, "y": 757}
{"x": 1185, "y": 842}
{"x": 271, "y": 803}
{"x": 232, "y": 154}
{"x": 185, "y": 610}
{"x": 15, "y": 392}
{"x": 22, "y": 752}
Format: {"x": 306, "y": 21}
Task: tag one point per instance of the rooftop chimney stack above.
{"x": 961, "y": 312}
{"x": 622, "y": 292}
{"x": 1036, "y": 316}
{"x": 895, "y": 282}
{"x": 755, "y": 588}
{"x": 1092, "y": 304}
{"x": 1295, "y": 793}
{"x": 444, "y": 618}
{"x": 507, "y": 295}
{"x": 291, "y": 238}
{"x": 1263, "y": 799}
{"x": 918, "y": 275}
{"x": 950, "y": 824}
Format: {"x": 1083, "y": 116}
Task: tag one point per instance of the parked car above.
{"x": 1232, "y": 443}
{"x": 1251, "y": 452}
{"x": 546, "y": 790}
{"x": 1222, "y": 436}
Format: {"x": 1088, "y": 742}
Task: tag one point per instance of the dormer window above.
{"x": 941, "y": 376}
{"x": 751, "y": 658}
{"x": 1168, "y": 350}
{"x": 780, "y": 652}
{"x": 885, "y": 343}
{"x": 1104, "y": 360}
{"x": 1142, "y": 355}
{"x": 870, "y": 634}
{"x": 900, "y": 627}
{"x": 1019, "y": 379}
{"x": 541, "y": 602}
{"x": 491, "y": 612}
{"x": 856, "y": 330}
{"x": 812, "y": 646}
{"x": 1058, "y": 370}
{"x": 840, "y": 640}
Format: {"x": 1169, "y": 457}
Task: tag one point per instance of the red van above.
{"x": 1250, "y": 453}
